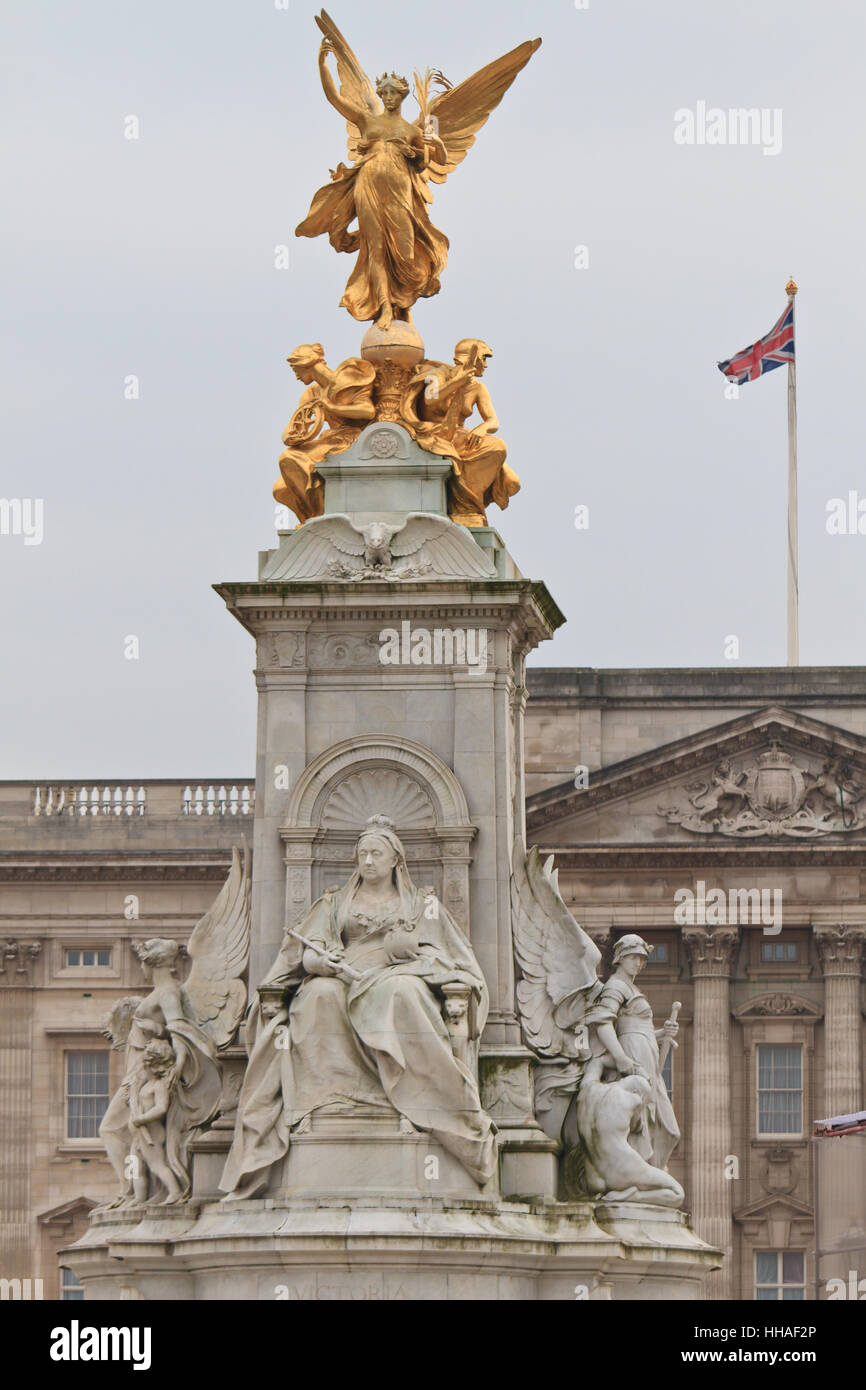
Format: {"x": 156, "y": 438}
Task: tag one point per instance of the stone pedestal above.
{"x": 362, "y": 1205}
{"x": 369, "y": 1155}
{"x": 382, "y": 476}
{"x": 437, "y": 745}
{"x": 301, "y": 1250}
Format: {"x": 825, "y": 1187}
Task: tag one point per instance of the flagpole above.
{"x": 793, "y": 540}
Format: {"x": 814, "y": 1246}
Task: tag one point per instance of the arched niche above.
{"x": 369, "y": 775}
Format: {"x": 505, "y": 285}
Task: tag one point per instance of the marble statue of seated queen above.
{"x": 366, "y": 1018}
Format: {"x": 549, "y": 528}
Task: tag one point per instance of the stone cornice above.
{"x": 75, "y": 866}
{"x": 344, "y": 601}
{"x": 686, "y": 687}
{"x": 697, "y": 856}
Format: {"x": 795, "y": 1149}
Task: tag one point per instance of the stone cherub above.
{"x": 150, "y": 1094}
{"x": 598, "y": 1080}
{"x": 400, "y": 254}
{"x": 171, "y": 1040}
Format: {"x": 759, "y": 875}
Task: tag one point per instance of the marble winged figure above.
{"x": 172, "y": 1079}
{"x": 598, "y": 1079}
{"x": 400, "y": 254}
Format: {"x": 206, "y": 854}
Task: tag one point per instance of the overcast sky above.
{"x": 155, "y": 258}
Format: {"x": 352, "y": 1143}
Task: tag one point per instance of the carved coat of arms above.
{"x": 774, "y": 797}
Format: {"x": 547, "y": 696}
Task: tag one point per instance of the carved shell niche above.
{"x": 378, "y": 791}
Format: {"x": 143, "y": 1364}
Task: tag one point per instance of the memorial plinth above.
{"x": 362, "y": 1205}
{"x": 420, "y": 1248}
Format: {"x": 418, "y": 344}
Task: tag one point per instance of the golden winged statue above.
{"x": 400, "y": 253}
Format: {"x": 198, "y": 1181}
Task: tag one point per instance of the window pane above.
{"x": 71, "y": 1290}
{"x": 766, "y": 1266}
{"x": 83, "y": 958}
{"x": 793, "y": 1267}
{"x": 780, "y": 1085}
{"x": 793, "y": 1295}
{"x": 86, "y": 1093}
{"x": 767, "y": 1295}
{"x": 668, "y": 1074}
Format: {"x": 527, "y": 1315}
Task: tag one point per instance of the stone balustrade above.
{"x": 106, "y": 800}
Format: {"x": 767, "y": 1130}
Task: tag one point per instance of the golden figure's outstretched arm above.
{"x": 353, "y": 115}
{"x": 356, "y": 98}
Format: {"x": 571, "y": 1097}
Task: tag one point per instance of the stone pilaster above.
{"x": 17, "y": 959}
{"x": 841, "y": 952}
{"x": 711, "y": 954}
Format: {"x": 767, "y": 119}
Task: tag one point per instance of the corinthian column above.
{"x": 711, "y": 954}
{"x": 841, "y": 951}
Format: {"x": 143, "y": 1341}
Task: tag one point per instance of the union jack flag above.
{"x": 769, "y": 352}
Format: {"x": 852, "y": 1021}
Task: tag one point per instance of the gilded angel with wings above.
{"x": 400, "y": 253}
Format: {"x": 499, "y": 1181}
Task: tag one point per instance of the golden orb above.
{"x": 401, "y": 344}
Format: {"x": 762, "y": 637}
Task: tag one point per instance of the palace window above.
{"x": 658, "y": 954}
{"x": 86, "y": 1093}
{"x": 780, "y": 1276}
{"x": 78, "y": 958}
{"x": 780, "y": 1089}
{"x": 668, "y": 1074}
{"x": 778, "y": 951}
{"x": 70, "y": 1289}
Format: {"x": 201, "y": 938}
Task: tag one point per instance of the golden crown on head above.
{"x": 392, "y": 80}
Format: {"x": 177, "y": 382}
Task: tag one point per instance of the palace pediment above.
{"x": 773, "y": 776}
{"x": 775, "y": 1218}
{"x": 778, "y": 1004}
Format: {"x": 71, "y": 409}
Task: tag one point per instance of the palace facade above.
{"x": 719, "y": 813}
